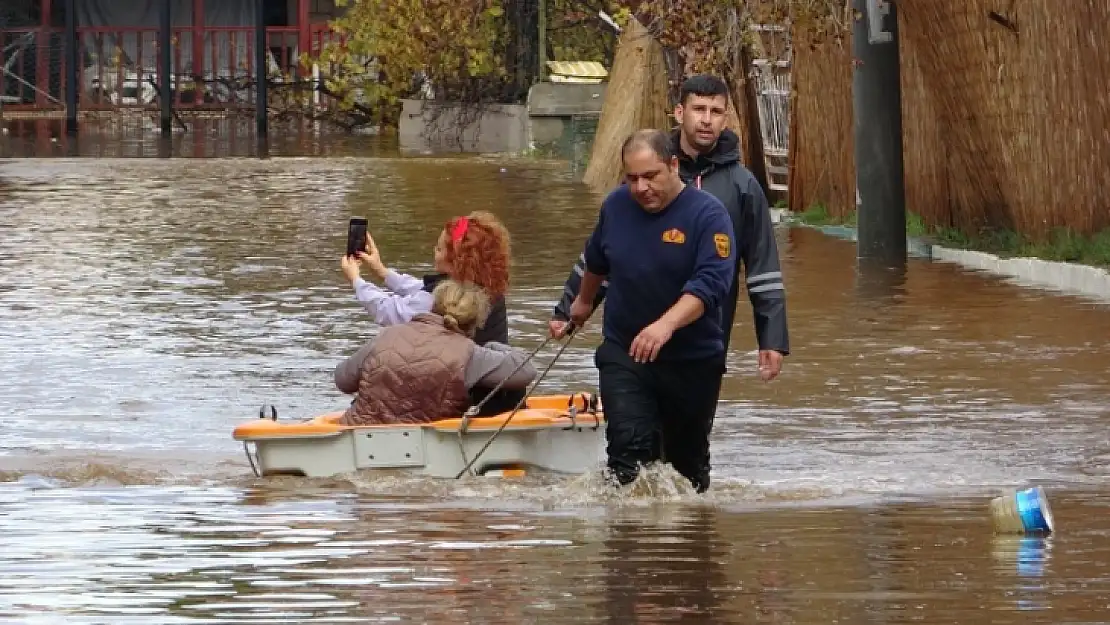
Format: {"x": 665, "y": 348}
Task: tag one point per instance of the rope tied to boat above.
{"x": 570, "y": 332}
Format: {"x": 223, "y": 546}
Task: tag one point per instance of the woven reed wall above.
{"x": 822, "y": 166}
{"x": 1005, "y": 124}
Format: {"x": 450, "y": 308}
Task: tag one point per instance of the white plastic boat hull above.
{"x": 536, "y": 439}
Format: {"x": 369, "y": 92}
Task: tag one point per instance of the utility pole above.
{"x": 72, "y": 67}
{"x": 261, "y": 72}
{"x": 165, "y": 86}
{"x": 542, "y": 41}
{"x": 877, "y": 107}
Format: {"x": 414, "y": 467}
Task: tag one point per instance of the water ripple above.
{"x": 147, "y": 306}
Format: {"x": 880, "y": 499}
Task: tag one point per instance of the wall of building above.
{"x": 322, "y": 10}
{"x": 318, "y": 10}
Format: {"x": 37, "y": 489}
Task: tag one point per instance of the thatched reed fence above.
{"x": 1005, "y": 109}
{"x": 822, "y": 167}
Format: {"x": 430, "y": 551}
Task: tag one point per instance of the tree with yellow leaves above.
{"x": 466, "y": 51}
{"x": 386, "y": 48}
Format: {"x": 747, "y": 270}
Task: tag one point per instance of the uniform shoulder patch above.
{"x": 674, "y": 235}
{"x": 723, "y": 243}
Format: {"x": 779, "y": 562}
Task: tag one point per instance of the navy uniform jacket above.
{"x": 721, "y": 174}
{"x": 653, "y": 259}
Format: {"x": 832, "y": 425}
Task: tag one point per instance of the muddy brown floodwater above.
{"x": 147, "y": 306}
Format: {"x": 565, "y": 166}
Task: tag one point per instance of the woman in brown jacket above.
{"x": 423, "y": 370}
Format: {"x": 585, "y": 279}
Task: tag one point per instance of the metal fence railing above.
{"x": 118, "y": 67}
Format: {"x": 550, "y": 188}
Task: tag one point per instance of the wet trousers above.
{"x": 658, "y": 411}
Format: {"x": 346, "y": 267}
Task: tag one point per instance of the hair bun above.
{"x": 450, "y": 322}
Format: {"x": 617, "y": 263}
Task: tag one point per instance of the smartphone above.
{"x": 356, "y": 236}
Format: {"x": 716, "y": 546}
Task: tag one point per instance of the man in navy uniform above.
{"x": 667, "y": 251}
{"x": 709, "y": 158}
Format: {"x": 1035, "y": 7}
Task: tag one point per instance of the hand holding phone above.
{"x": 356, "y": 236}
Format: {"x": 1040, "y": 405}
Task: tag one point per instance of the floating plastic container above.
{"x": 1024, "y": 512}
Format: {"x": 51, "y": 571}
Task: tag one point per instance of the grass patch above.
{"x": 1061, "y": 245}
{"x": 818, "y": 215}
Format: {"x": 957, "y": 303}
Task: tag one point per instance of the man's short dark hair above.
{"x": 704, "y": 85}
{"x": 657, "y": 140}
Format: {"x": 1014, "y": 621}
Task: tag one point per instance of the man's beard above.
{"x": 699, "y": 144}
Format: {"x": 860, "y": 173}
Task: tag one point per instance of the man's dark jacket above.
{"x": 721, "y": 174}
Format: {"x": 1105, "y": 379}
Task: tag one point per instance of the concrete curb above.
{"x": 1070, "y": 278}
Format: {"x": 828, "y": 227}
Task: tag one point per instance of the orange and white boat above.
{"x": 554, "y": 433}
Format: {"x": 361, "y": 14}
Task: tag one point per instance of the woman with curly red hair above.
{"x": 472, "y": 249}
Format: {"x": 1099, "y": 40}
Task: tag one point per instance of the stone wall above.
{"x": 427, "y": 127}
{"x": 552, "y": 106}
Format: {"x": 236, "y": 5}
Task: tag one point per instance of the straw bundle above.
{"x": 636, "y": 97}
{"x": 1005, "y": 116}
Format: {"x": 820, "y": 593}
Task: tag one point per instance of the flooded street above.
{"x": 148, "y": 306}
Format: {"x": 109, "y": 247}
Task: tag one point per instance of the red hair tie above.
{"x": 460, "y": 228}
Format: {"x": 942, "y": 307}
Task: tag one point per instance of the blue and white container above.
{"x": 1024, "y": 512}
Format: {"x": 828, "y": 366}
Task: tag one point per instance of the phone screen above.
{"x": 356, "y": 236}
